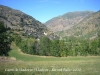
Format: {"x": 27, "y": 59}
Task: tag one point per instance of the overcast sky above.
{"x": 43, "y": 10}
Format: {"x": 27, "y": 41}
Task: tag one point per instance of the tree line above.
{"x": 60, "y": 48}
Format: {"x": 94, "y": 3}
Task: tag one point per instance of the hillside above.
{"x": 67, "y": 20}
{"x": 89, "y": 27}
{"x": 22, "y": 23}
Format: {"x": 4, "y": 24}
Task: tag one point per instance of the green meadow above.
{"x": 19, "y": 63}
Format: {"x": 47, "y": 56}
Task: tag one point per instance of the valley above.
{"x": 65, "y": 45}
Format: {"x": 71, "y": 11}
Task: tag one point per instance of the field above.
{"x": 19, "y": 63}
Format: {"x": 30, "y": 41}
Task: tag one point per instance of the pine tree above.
{"x": 4, "y": 43}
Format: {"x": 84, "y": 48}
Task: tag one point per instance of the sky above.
{"x": 44, "y": 10}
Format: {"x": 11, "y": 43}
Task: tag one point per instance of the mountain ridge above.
{"x": 22, "y": 23}
{"x": 67, "y": 20}
{"x": 81, "y": 26}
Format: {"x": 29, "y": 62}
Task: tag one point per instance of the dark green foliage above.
{"x": 69, "y": 46}
{"x": 63, "y": 49}
{"x": 21, "y": 19}
{"x": 36, "y": 47}
{"x": 85, "y": 46}
{"x": 55, "y": 48}
{"x": 79, "y": 47}
{"x": 17, "y": 39}
{"x": 98, "y": 17}
{"x": 23, "y": 46}
{"x": 29, "y": 46}
{"x": 45, "y": 46}
{"x": 4, "y": 41}
{"x": 4, "y": 17}
{"x": 26, "y": 45}
{"x": 94, "y": 47}
{"x": 96, "y": 25}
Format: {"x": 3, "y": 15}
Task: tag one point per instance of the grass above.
{"x": 42, "y": 65}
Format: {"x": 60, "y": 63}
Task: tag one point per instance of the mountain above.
{"x": 84, "y": 24}
{"x": 22, "y": 23}
{"x": 89, "y": 27}
{"x": 67, "y": 20}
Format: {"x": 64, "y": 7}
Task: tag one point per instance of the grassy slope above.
{"x": 83, "y": 65}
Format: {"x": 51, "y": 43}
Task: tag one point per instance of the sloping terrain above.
{"x": 22, "y": 23}
{"x": 78, "y": 24}
{"x": 89, "y": 27}
{"x": 67, "y": 20}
